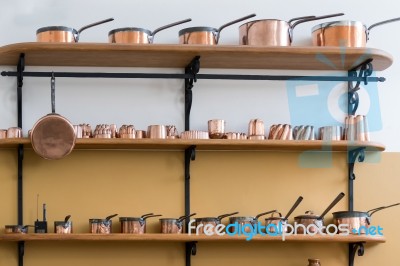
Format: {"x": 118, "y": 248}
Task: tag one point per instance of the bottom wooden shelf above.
{"x": 189, "y": 238}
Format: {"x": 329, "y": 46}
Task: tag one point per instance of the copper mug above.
{"x": 3, "y": 133}
{"x": 157, "y": 132}
{"x": 216, "y": 128}
{"x": 14, "y": 132}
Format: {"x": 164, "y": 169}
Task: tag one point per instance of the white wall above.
{"x": 144, "y": 102}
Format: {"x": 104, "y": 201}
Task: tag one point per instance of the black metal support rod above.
{"x": 198, "y": 76}
{"x": 20, "y": 156}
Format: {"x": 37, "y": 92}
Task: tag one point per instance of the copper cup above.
{"x": 157, "y": 132}
{"x": 216, "y": 128}
{"x": 140, "y": 134}
{"x": 14, "y": 132}
{"x": 3, "y": 133}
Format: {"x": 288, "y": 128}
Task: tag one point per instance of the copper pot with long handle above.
{"x": 173, "y": 225}
{"x": 135, "y": 225}
{"x": 53, "y": 136}
{"x": 64, "y": 34}
{"x": 133, "y": 35}
{"x": 273, "y": 32}
{"x": 205, "y": 35}
{"x": 317, "y": 220}
{"x": 358, "y": 222}
{"x": 278, "y": 222}
{"x": 345, "y": 33}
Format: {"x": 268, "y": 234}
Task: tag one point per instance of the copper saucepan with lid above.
{"x": 345, "y": 33}
{"x": 205, "y": 35}
{"x": 64, "y": 34}
{"x": 53, "y": 136}
{"x": 272, "y": 223}
{"x": 273, "y": 32}
{"x": 358, "y": 222}
{"x": 317, "y": 221}
{"x": 133, "y": 35}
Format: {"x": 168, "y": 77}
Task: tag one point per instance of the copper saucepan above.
{"x": 211, "y": 222}
{"x": 246, "y": 220}
{"x": 135, "y": 225}
{"x": 53, "y": 136}
{"x": 272, "y": 223}
{"x": 273, "y": 32}
{"x": 62, "y": 33}
{"x": 358, "y": 222}
{"x": 316, "y": 220}
{"x": 205, "y": 35}
{"x": 138, "y": 35}
{"x": 173, "y": 225}
{"x": 344, "y": 33}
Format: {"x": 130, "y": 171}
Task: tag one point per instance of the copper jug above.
{"x": 314, "y": 262}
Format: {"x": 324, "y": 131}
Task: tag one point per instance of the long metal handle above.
{"x": 226, "y": 215}
{"x": 316, "y": 18}
{"x": 294, "y": 207}
{"x": 95, "y": 24}
{"x": 381, "y": 208}
{"x": 334, "y": 202}
{"x": 264, "y": 213}
{"x": 53, "y": 93}
{"x": 231, "y": 23}
{"x": 383, "y": 22}
{"x": 170, "y": 25}
{"x": 294, "y": 19}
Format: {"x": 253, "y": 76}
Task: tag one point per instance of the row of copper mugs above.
{"x": 263, "y": 32}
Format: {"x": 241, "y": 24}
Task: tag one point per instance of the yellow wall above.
{"x": 94, "y": 184}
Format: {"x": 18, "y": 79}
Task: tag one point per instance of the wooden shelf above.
{"x": 211, "y": 144}
{"x": 187, "y": 238}
{"x": 178, "y": 56}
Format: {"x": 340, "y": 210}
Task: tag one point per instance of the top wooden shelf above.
{"x": 178, "y": 56}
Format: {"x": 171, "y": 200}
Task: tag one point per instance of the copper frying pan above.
{"x": 53, "y": 136}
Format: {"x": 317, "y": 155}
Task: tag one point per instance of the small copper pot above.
{"x": 101, "y": 226}
{"x": 14, "y": 132}
{"x": 216, "y": 128}
{"x": 17, "y": 229}
{"x": 157, "y": 132}
{"x": 138, "y": 35}
{"x": 211, "y": 221}
{"x": 344, "y": 33}
{"x": 173, "y": 225}
{"x": 135, "y": 225}
{"x": 63, "y": 227}
{"x": 62, "y": 33}
{"x": 205, "y": 35}
{"x": 3, "y": 133}
{"x": 256, "y": 129}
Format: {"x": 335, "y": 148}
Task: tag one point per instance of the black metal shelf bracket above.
{"x": 364, "y": 72}
{"x": 352, "y": 157}
{"x": 20, "y": 156}
{"x": 353, "y": 248}
{"x": 192, "y": 69}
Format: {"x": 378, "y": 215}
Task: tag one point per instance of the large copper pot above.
{"x": 138, "y": 35}
{"x": 344, "y": 33}
{"x": 62, "y": 33}
{"x": 357, "y": 222}
{"x": 53, "y": 136}
{"x": 205, "y": 35}
{"x": 273, "y": 32}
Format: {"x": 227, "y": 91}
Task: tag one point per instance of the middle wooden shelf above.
{"x": 193, "y": 237}
{"x": 210, "y": 144}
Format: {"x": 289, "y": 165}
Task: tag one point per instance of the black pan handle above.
{"x": 53, "y": 93}
{"x": 334, "y": 202}
{"x": 294, "y": 207}
{"x": 264, "y": 213}
{"x": 370, "y": 212}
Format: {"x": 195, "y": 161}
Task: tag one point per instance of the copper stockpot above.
{"x": 53, "y": 136}
{"x": 132, "y": 35}
{"x": 101, "y": 226}
{"x": 62, "y": 33}
{"x": 135, "y": 225}
{"x": 250, "y": 220}
{"x": 205, "y": 35}
{"x": 273, "y": 32}
{"x": 173, "y": 225}
{"x": 358, "y": 222}
{"x": 280, "y": 221}
{"x": 344, "y": 33}
{"x": 318, "y": 220}
{"x": 212, "y": 221}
